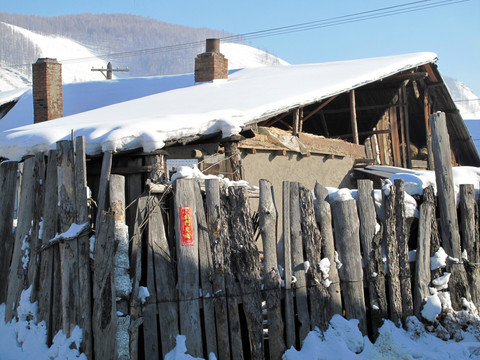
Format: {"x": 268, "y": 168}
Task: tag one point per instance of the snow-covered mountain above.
{"x": 466, "y": 100}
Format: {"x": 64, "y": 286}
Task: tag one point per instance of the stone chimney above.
{"x": 211, "y": 65}
{"x": 47, "y": 90}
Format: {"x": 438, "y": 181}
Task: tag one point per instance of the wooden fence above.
{"x": 195, "y": 249}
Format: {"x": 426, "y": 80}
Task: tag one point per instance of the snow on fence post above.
{"x": 458, "y": 284}
{"x": 287, "y": 262}
{"x": 215, "y": 228}
{"x": 298, "y": 264}
{"x": 312, "y": 242}
{"x": 422, "y": 264}
{"x": 272, "y": 280}
{"x": 206, "y": 270}
{"x": 403, "y": 256}
{"x": 347, "y": 241}
{"x": 323, "y": 215}
{"x": 8, "y": 185}
{"x": 391, "y": 249}
{"x": 470, "y": 240}
{"x": 187, "y": 256}
{"x": 121, "y": 264}
{"x": 245, "y": 264}
{"x": 371, "y": 238}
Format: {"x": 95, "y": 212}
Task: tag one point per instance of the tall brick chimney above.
{"x": 211, "y": 65}
{"x": 47, "y": 90}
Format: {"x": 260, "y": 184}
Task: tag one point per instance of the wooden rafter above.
{"x": 320, "y": 107}
{"x": 431, "y": 73}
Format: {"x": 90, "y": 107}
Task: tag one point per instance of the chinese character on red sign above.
{"x": 186, "y": 226}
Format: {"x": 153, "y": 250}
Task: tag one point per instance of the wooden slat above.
{"x": 287, "y": 261}
{"x": 206, "y": 270}
{"x": 312, "y": 242}
{"x": 298, "y": 264}
{"x": 347, "y": 243}
{"x": 245, "y": 264}
{"x": 104, "y": 317}
{"x": 103, "y": 187}
{"x": 8, "y": 184}
{"x": 353, "y": 116}
{"x": 188, "y": 278}
{"x": 215, "y": 228}
{"x": 272, "y": 280}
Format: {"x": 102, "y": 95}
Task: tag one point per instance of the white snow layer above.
{"x": 204, "y": 108}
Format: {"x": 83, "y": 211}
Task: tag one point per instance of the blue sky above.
{"x": 452, "y": 31}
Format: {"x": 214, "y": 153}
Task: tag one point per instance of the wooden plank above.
{"x": 404, "y": 101}
{"x": 397, "y": 159}
{"x": 231, "y": 286}
{"x": 391, "y": 250}
{"x": 104, "y": 319}
{"x": 353, "y": 116}
{"x": 18, "y": 280}
{"x": 422, "y": 264}
{"x": 323, "y": 217}
{"x": 136, "y": 273}
{"x": 458, "y": 284}
{"x": 246, "y": 266}
{"x": 84, "y": 274}
{"x": 8, "y": 184}
{"x": 347, "y": 243}
{"x": 271, "y": 276}
{"x": 470, "y": 239}
{"x": 298, "y": 264}
{"x": 375, "y": 273}
{"x": 103, "y": 187}
{"x": 45, "y": 295}
{"x": 401, "y": 118}
{"x": 312, "y": 242}
{"x": 403, "y": 256}
{"x": 66, "y": 213}
{"x": 215, "y": 228}
{"x": 428, "y": 129}
{"x": 133, "y": 190}
{"x": 287, "y": 261}
{"x": 187, "y": 265}
{"x": 206, "y": 270}
{"x": 164, "y": 268}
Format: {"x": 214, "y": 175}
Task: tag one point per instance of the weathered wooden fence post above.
{"x": 245, "y": 263}
{"x": 470, "y": 239}
{"x": 215, "y": 228}
{"x": 371, "y": 239}
{"x": 347, "y": 241}
{"x": 458, "y": 284}
{"x": 271, "y": 275}
{"x": 312, "y": 242}
{"x": 422, "y": 265}
{"x": 187, "y": 257}
{"x": 8, "y": 184}
{"x": 287, "y": 262}
{"x": 298, "y": 264}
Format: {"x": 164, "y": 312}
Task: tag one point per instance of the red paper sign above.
{"x": 186, "y": 226}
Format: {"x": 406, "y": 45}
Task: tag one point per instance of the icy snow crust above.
{"x": 215, "y": 107}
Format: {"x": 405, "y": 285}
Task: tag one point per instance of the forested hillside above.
{"x": 107, "y": 34}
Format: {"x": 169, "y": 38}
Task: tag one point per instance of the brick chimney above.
{"x": 47, "y": 90}
{"x": 211, "y": 65}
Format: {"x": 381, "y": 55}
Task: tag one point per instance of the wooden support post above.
{"x": 397, "y": 158}
{"x": 8, "y": 184}
{"x": 347, "y": 241}
{"x": 300, "y": 120}
{"x": 403, "y": 256}
{"x": 391, "y": 249}
{"x": 370, "y": 238}
{"x": 272, "y": 280}
{"x": 312, "y": 243}
{"x": 353, "y": 116}
{"x": 422, "y": 264}
{"x": 103, "y": 187}
{"x": 458, "y": 284}
{"x": 428, "y": 129}
{"x": 298, "y": 264}
{"x": 470, "y": 241}
{"x": 296, "y": 122}
{"x": 287, "y": 262}
{"x": 403, "y": 130}
{"x": 404, "y": 100}
{"x": 186, "y": 234}
{"x": 215, "y": 228}
{"x": 245, "y": 262}
{"x": 233, "y": 153}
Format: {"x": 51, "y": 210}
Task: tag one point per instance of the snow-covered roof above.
{"x": 185, "y": 109}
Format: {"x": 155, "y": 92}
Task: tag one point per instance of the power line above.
{"x": 289, "y": 29}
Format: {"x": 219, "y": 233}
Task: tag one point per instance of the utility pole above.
{"x": 109, "y": 71}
